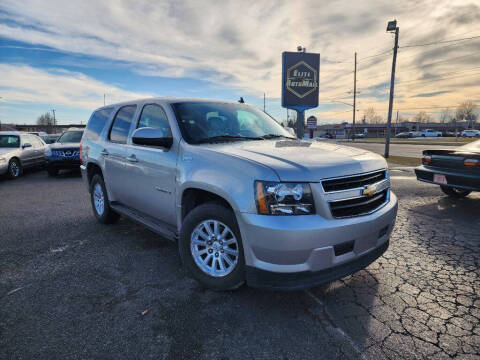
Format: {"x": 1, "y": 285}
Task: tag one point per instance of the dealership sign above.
{"x": 312, "y": 122}
{"x": 300, "y": 80}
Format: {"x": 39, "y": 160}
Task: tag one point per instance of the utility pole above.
{"x": 103, "y": 99}
{"x": 263, "y": 102}
{"x": 392, "y": 26}
{"x": 54, "y": 122}
{"x": 396, "y": 127}
{"x": 354, "y": 97}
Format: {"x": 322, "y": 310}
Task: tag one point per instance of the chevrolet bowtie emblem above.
{"x": 369, "y": 190}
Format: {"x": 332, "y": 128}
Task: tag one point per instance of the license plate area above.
{"x": 440, "y": 179}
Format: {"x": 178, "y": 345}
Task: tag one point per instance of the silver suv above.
{"x": 245, "y": 201}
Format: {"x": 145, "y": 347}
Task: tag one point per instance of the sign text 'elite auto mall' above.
{"x": 300, "y": 80}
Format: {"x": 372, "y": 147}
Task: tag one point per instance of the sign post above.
{"x": 311, "y": 125}
{"x": 300, "y": 80}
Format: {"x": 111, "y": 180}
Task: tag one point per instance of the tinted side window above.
{"x": 97, "y": 123}
{"x": 154, "y": 116}
{"x": 121, "y": 124}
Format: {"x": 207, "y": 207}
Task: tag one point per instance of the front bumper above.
{"x": 454, "y": 178}
{"x": 62, "y": 163}
{"x": 291, "y": 252}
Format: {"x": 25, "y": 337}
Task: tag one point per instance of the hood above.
{"x": 57, "y": 146}
{"x": 4, "y": 151}
{"x": 295, "y": 160}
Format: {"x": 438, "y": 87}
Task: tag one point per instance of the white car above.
{"x": 470, "y": 133}
{"x": 430, "y": 133}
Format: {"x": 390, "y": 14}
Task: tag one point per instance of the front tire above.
{"x": 211, "y": 248}
{"x": 100, "y": 203}
{"x": 14, "y": 169}
{"x": 454, "y": 192}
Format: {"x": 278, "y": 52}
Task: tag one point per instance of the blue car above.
{"x": 65, "y": 153}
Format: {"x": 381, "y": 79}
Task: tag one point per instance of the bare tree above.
{"x": 445, "y": 115}
{"x": 371, "y": 116}
{"x": 45, "y": 119}
{"x": 422, "y": 117}
{"x": 468, "y": 111}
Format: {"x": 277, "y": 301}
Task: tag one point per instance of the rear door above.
{"x": 115, "y": 152}
{"x": 151, "y": 170}
{"x": 39, "y": 149}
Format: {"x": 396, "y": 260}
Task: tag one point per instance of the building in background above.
{"x": 343, "y": 130}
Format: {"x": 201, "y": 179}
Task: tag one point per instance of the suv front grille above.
{"x": 353, "y": 182}
{"x": 66, "y": 153}
{"x": 359, "y": 206}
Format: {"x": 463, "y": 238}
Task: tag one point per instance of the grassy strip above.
{"x": 403, "y": 160}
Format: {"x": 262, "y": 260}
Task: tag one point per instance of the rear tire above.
{"x": 215, "y": 260}
{"x": 454, "y": 192}
{"x": 100, "y": 203}
{"x": 14, "y": 169}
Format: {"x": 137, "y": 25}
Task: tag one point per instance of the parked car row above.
{"x": 244, "y": 200}
{"x": 434, "y": 133}
{"x": 21, "y": 150}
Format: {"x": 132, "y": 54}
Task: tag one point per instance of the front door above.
{"x": 152, "y": 171}
{"x": 115, "y": 152}
{"x": 28, "y": 155}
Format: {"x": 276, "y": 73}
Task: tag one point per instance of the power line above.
{"x": 440, "y": 42}
{"x": 437, "y": 79}
{"x": 441, "y": 61}
{"x": 372, "y": 56}
{"x": 441, "y": 74}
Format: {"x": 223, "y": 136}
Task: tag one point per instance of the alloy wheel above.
{"x": 214, "y": 248}
{"x": 98, "y": 199}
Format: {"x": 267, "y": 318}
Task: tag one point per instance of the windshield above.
{"x": 70, "y": 137}
{"x": 9, "y": 141}
{"x": 473, "y": 146}
{"x": 217, "y": 121}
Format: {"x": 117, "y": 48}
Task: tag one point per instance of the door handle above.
{"x": 104, "y": 152}
{"x": 132, "y": 158}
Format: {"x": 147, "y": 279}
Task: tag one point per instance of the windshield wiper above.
{"x": 275, "y": 136}
{"x": 227, "y": 138}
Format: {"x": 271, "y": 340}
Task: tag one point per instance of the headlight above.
{"x": 275, "y": 198}
{"x": 2, "y": 159}
{"x": 48, "y": 152}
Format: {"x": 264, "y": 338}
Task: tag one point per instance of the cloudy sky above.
{"x": 66, "y": 55}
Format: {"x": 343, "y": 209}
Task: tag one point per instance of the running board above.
{"x": 153, "y": 224}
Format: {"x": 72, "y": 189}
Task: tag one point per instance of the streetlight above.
{"x": 392, "y": 26}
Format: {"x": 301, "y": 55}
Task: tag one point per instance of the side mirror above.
{"x": 27, "y": 145}
{"x": 152, "y": 137}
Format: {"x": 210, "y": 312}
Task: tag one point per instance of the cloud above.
{"x": 238, "y": 44}
{"x": 25, "y": 84}
{"x": 435, "y": 93}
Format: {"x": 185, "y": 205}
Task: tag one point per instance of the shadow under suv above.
{"x": 245, "y": 201}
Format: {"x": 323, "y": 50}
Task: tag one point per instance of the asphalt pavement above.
{"x": 71, "y": 288}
